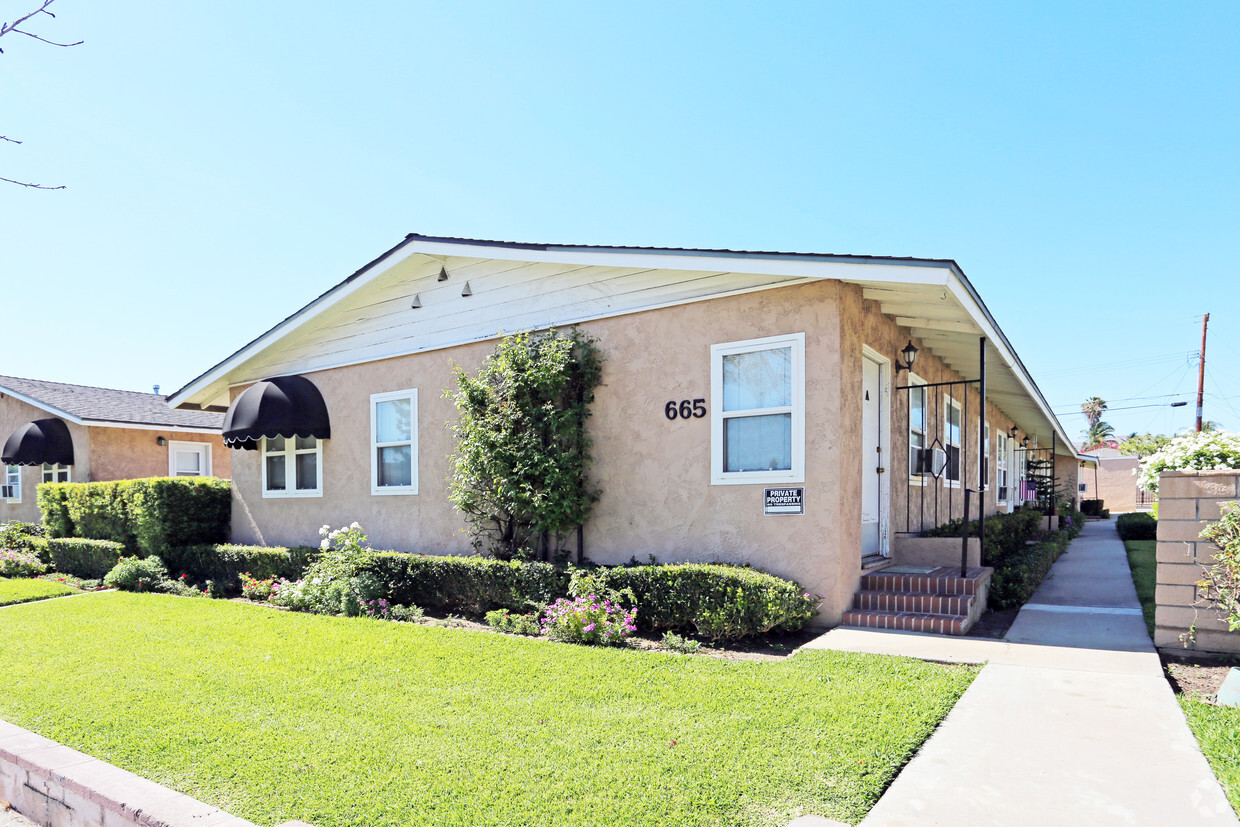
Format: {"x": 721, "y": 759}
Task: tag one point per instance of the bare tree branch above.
{"x": 6, "y": 28}
{"x": 32, "y": 186}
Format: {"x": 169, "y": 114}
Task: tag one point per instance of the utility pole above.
{"x": 1201, "y": 370}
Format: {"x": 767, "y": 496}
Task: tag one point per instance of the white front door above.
{"x": 873, "y": 458}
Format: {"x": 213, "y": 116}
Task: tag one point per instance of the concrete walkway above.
{"x": 1070, "y": 722}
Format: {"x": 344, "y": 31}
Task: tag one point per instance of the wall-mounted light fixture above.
{"x": 1024, "y": 443}
{"x": 909, "y": 355}
{"x": 1012, "y": 432}
{"x": 160, "y": 441}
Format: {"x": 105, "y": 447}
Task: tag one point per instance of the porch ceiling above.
{"x": 938, "y": 317}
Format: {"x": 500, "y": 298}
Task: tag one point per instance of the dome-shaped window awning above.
{"x": 39, "y": 442}
{"x": 287, "y": 406}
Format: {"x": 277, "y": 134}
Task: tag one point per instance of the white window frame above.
{"x": 1001, "y": 467}
{"x": 914, "y": 379}
{"x": 11, "y": 471}
{"x": 796, "y": 341}
{"x": 989, "y": 466}
{"x": 290, "y": 453}
{"x": 54, "y": 470}
{"x": 375, "y": 398}
{"x": 948, "y": 404}
{"x": 202, "y": 448}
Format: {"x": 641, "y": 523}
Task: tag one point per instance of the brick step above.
{"x": 942, "y": 580}
{"x": 921, "y": 602}
{"x": 906, "y": 621}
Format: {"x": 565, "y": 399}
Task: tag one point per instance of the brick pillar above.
{"x": 1187, "y": 502}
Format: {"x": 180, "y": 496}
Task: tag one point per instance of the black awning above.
{"x": 286, "y": 406}
{"x": 35, "y": 443}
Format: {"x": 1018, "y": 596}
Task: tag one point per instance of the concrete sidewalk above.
{"x": 1070, "y": 722}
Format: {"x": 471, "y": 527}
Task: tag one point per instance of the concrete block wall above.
{"x": 1188, "y": 501}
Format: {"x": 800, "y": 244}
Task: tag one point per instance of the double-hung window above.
{"x": 917, "y": 439}
{"x": 12, "y": 484}
{"x": 394, "y": 442}
{"x": 292, "y": 466}
{"x": 951, "y": 439}
{"x": 1001, "y": 467}
{"x": 57, "y": 472}
{"x": 758, "y": 410}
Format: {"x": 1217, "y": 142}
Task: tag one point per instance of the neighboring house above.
{"x": 55, "y": 432}
{"x": 804, "y": 451}
{"x": 1113, "y": 479}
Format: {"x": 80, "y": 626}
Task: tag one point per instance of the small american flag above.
{"x": 1028, "y": 491}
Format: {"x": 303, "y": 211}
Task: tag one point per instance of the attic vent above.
{"x": 467, "y": 291}
{"x": 443, "y": 273}
{"x": 417, "y": 301}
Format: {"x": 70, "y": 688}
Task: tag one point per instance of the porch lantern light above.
{"x": 909, "y": 354}
{"x": 1012, "y": 432}
{"x": 1024, "y": 443}
{"x": 160, "y": 441}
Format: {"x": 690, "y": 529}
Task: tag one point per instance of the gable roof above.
{"x": 86, "y": 405}
{"x": 401, "y": 303}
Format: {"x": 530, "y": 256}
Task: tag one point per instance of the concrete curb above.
{"x": 57, "y": 786}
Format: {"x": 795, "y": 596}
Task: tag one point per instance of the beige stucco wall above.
{"x": 130, "y": 453}
{"x": 1115, "y": 483}
{"x": 654, "y": 474}
{"x": 13, "y": 414}
{"x": 1187, "y": 502}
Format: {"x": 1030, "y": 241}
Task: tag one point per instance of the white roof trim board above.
{"x": 517, "y": 286}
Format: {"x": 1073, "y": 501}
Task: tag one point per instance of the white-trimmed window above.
{"x": 12, "y": 482}
{"x": 758, "y": 410}
{"x": 292, "y": 467}
{"x": 986, "y": 459}
{"x": 189, "y": 459}
{"x": 952, "y": 432}
{"x": 917, "y": 436}
{"x": 394, "y": 442}
{"x": 57, "y": 473}
{"x": 1001, "y": 468}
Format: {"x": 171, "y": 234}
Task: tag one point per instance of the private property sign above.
{"x": 783, "y": 501}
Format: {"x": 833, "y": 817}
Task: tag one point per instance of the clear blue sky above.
{"x": 228, "y": 161}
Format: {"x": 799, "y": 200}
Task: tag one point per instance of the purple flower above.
{"x": 589, "y": 628}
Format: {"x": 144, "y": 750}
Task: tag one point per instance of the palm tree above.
{"x": 1093, "y": 408}
{"x": 1098, "y": 433}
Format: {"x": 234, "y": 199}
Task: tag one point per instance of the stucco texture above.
{"x": 654, "y": 474}
{"x": 125, "y": 453}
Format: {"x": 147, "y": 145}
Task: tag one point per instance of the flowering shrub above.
{"x": 1206, "y": 451}
{"x": 86, "y": 585}
{"x": 254, "y": 589}
{"x": 1220, "y": 582}
{"x": 337, "y": 582}
{"x": 14, "y": 563}
{"x": 589, "y": 619}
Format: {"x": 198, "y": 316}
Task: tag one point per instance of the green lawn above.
{"x": 275, "y": 716}
{"x": 1144, "y": 565}
{"x": 23, "y": 589}
{"x": 1218, "y": 731}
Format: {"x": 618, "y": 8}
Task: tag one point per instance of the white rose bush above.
{"x": 1206, "y": 451}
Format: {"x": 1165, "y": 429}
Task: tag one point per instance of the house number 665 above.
{"x": 685, "y": 409}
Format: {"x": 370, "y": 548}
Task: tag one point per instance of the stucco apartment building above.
{"x": 1113, "y": 479}
{"x": 802, "y": 447}
{"x": 57, "y": 432}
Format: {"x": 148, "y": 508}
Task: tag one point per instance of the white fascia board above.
{"x": 43, "y": 406}
{"x": 307, "y": 313}
{"x": 971, "y": 302}
{"x": 137, "y": 426}
{"x": 766, "y": 264}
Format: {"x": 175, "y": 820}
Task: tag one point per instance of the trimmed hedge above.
{"x": 1136, "y": 526}
{"x": 147, "y": 516}
{"x": 91, "y": 559}
{"x": 223, "y": 564}
{"x": 470, "y": 585}
{"x": 1022, "y": 572}
{"x": 714, "y": 600}
{"x": 1092, "y": 508}
{"x": 19, "y": 535}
